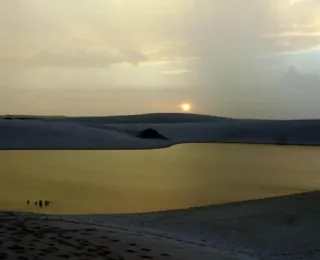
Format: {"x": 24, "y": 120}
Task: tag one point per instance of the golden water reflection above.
{"x": 148, "y": 180}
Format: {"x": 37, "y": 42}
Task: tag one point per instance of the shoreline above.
{"x": 162, "y": 147}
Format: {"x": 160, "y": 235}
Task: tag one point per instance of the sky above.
{"x": 244, "y": 58}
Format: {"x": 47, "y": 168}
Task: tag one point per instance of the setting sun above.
{"x": 185, "y": 107}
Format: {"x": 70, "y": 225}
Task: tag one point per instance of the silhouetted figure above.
{"x": 28, "y": 202}
{"x": 40, "y": 203}
{"x": 46, "y": 203}
{"x": 36, "y": 203}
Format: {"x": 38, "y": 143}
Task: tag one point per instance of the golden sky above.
{"x": 226, "y": 57}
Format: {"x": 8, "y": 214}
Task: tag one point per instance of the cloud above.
{"x": 176, "y": 72}
{"x": 77, "y": 59}
{"x": 305, "y": 81}
{"x": 305, "y": 1}
{"x": 179, "y": 29}
{"x": 294, "y": 34}
{"x": 231, "y": 39}
{"x": 233, "y": 53}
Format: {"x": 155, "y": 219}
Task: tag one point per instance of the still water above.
{"x": 148, "y": 180}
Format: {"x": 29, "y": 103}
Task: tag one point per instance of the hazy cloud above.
{"x": 305, "y": 1}
{"x": 79, "y": 59}
{"x": 234, "y": 54}
{"x": 176, "y": 72}
{"x": 305, "y": 81}
{"x": 87, "y": 59}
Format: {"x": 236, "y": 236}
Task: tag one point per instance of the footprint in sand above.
{"x": 17, "y": 249}
{"x": 63, "y": 256}
{"x": 17, "y": 240}
{"x": 90, "y": 229}
{"x": 130, "y": 251}
{"x": 44, "y": 251}
{"x": 145, "y": 249}
{"x": 22, "y": 258}
{"x": 31, "y": 246}
{"x": 104, "y": 253}
{"x": 87, "y": 254}
{"x": 11, "y": 228}
{"x": 53, "y": 248}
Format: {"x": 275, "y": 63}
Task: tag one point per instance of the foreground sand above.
{"x": 280, "y": 228}
{"x": 30, "y": 236}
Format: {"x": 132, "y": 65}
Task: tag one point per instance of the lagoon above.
{"x": 186, "y": 175}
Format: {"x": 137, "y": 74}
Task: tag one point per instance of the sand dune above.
{"x": 28, "y": 236}
{"x": 286, "y": 228}
{"x": 37, "y": 134}
{"x": 120, "y": 132}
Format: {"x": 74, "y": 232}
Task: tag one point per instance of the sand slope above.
{"x": 37, "y": 134}
{"x": 286, "y": 227}
{"x": 28, "y": 236}
{"x": 282, "y": 228}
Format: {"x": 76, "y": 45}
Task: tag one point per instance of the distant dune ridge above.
{"x": 124, "y": 132}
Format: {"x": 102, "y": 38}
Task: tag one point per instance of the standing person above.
{"x": 28, "y": 202}
{"x": 36, "y": 203}
{"x": 40, "y": 203}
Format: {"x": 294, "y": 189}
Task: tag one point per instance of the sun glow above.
{"x": 185, "y": 107}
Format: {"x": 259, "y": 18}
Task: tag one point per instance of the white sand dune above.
{"x": 37, "y": 134}
{"x": 282, "y": 228}
{"x": 119, "y": 132}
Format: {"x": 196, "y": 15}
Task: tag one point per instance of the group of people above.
{"x": 40, "y": 203}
